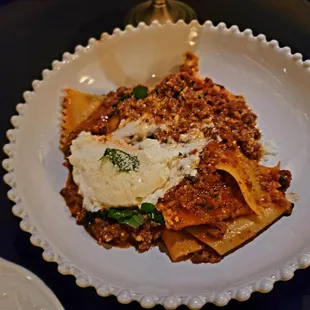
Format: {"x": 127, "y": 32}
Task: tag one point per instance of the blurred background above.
{"x": 33, "y": 33}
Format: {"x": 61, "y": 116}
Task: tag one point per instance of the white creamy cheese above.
{"x": 161, "y": 166}
{"x": 136, "y": 130}
{"x": 185, "y": 166}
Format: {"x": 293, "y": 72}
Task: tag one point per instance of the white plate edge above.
{"x": 35, "y": 279}
{"x": 241, "y": 293}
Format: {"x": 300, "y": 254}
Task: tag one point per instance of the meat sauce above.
{"x": 106, "y": 231}
{"x": 182, "y": 102}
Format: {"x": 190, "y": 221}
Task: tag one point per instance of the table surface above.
{"x": 35, "y": 32}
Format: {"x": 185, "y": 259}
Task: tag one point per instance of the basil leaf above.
{"x": 158, "y": 218}
{"x": 124, "y": 161}
{"x": 134, "y": 221}
{"x": 90, "y": 217}
{"x": 148, "y": 207}
{"x": 152, "y": 212}
{"x": 129, "y": 217}
{"x": 116, "y": 214}
{"x": 140, "y": 92}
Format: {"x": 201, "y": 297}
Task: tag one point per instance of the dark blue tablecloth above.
{"x": 35, "y": 32}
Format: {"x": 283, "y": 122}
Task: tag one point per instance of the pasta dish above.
{"x": 175, "y": 166}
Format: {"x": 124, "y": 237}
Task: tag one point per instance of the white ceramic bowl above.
{"x": 275, "y": 84}
{"x": 21, "y": 289}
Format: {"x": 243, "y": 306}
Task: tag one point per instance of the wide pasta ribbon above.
{"x": 259, "y": 185}
{"x": 77, "y": 107}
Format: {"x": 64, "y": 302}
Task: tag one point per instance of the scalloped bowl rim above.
{"x": 241, "y": 293}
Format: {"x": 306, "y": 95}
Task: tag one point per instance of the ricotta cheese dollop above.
{"x": 103, "y": 184}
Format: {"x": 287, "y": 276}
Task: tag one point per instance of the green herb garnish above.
{"x": 129, "y": 217}
{"x": 124, "y": 161}
{"x": 140, "y": 92}
{"x": 90, "y": 217}
{"x": 152, "y": 212}
{"x": 200, "y": 96}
